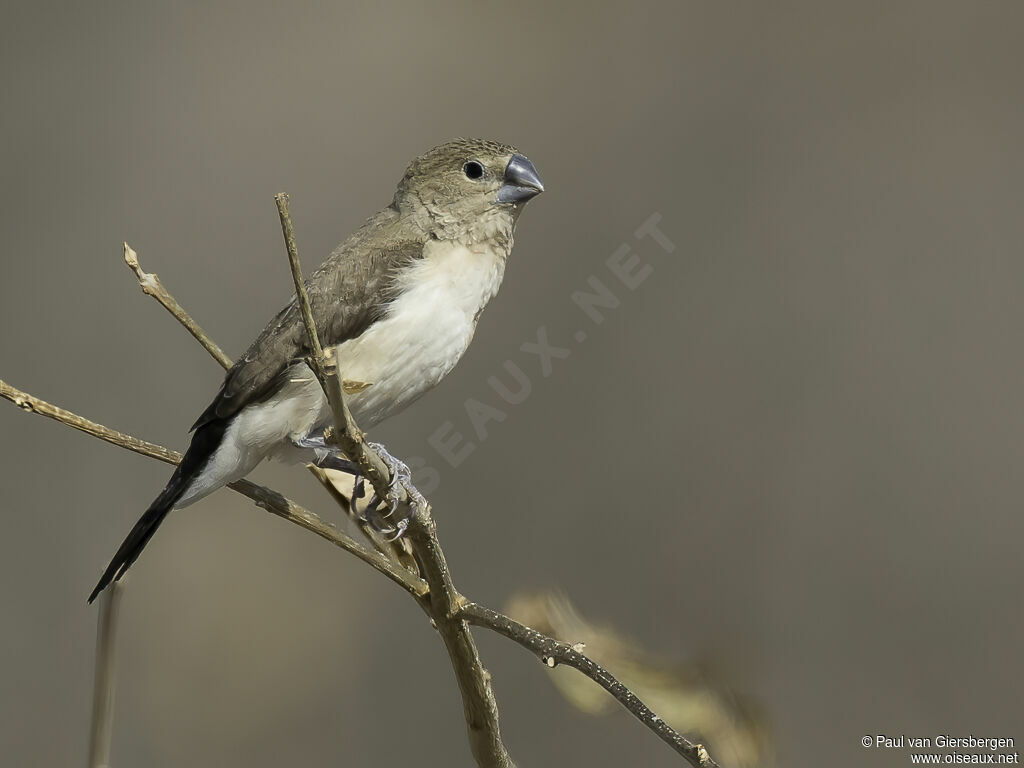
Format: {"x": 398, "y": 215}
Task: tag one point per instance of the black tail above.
{"x": 204, "y": 443}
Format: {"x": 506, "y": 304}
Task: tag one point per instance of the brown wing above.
{"x": 347, "y": 293}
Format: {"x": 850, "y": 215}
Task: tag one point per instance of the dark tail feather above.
{"x": 140, "y": 535}
{"x": 204, "y": 443}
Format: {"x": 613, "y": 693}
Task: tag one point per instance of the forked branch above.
{"x": 450, "y": 612}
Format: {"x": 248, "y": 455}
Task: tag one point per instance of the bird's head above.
{"x": 468, "y": 189}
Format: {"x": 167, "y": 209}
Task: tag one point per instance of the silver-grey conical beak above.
{"x": 521, "y": 181}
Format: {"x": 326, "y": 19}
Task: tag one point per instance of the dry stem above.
{"x": 103, "y": 681}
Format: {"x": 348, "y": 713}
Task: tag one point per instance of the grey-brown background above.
{"x": 824, "y": 376}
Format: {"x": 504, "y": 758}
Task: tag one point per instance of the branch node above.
{"x": 703, "y": 756}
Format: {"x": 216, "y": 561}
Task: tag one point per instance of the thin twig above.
{"x": 266, "y": 498}
{"x": 346, "y": 434}
{"x": 441, "y": 603}
{"x": 274, "y": 502}
{"x": 27, "y": 402}
{"x": 552, "y": 652}
{"x": 300, "y": 285}
{"x": 152, "y": 286}
{"x": 103, "y": 682}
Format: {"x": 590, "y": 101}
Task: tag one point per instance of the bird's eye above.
{"x": 473, "y": 170}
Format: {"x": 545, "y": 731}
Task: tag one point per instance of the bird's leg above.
{"x": 371, "y": 513}
{"x": 327, "y": 456}
{"x": 400, "y": 473}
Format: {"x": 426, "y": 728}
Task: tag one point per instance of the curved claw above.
{"x": 398, "y": 531}
{"x": 400, "y": 473}
{"x": 375, "y": 503}
{"x": 371, "y": 514}
{"x": 375, "y": 521}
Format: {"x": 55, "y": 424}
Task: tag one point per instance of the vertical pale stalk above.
{"x": 103, "y": 683}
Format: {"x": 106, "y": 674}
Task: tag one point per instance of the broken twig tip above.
{"x": 131, "y": 258}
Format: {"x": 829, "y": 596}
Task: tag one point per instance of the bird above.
{"x": 398, "y": 301}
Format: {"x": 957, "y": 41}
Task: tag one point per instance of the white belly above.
{"x": 425, "y": 332}
{"x": 404, "y": 354}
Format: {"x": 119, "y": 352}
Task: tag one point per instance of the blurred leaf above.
{"x": 688, "y": 696}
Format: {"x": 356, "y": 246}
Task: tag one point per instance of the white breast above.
{"x": 426, "y": 329}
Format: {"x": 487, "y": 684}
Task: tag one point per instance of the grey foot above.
{"x": 382, "y": 520}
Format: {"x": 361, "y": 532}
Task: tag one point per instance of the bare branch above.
{"x": 274, "y": 502}
{"x": 552, "y": 652}
{"x": 444, "y": 605}
{"x": 346, "y": 433}
{"x": 268, "y": 499}
{"x": 442, "y": 601}
{"x": 152, "y": 286}
{"x": 300, "y": 286}
{"x": 102, "y": 726}
{"x": 27, "y": 402}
